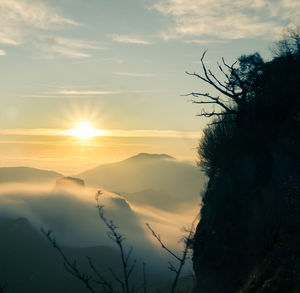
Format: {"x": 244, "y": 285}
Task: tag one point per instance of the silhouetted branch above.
{"x": 206, "y": 78}
{"x": 182, "y": 259}
{"x": 72, "y": 268}
{"x": 117, "y": 279}
{"x": 213, "y": 100}
{"x": 212, "y": 113}
{"x": 106, "y": 286}
{"x": 118, "y": 238}
{"x": 227, "y": 88}
{"x": 157, "y": 236}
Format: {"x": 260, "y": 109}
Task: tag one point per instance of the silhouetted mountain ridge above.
{"x": 147, "y": 156}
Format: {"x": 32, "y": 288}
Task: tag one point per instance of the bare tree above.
{"x": 234, "y": 90}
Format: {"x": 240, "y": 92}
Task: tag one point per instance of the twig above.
{"x": 107, "y": 287}
{"x": 157, "y": 236}
{"x": 182, "y": 259}
{"x": 72, "y": 268}
{"x": 127, "y": 266}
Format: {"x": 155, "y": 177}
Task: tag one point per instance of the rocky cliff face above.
{"x": 248, "y": 239}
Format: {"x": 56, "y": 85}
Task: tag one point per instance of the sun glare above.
{"x": 84, "y": 130}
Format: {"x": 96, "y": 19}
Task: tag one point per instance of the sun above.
{"x": 84, "y": 130}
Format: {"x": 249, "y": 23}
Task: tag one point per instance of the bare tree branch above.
{"x": 206, "y": 78}
{"x": 72, "y": 268}
{"x": 182, "y": 259}
{"x": 233, "y": 88}
{"x": 118, "y": 238}
{"x": 157, "y": 236}
{"x": 107, "y": 287}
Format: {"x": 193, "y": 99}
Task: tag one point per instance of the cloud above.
{"x": 86, "y": 93}
{"x": 67, "y": 47}
{"x": 153, "y": 133}
{"x": 9, "y": 36}
{"x": 109, "y": 133}
{"x": 134, "y": 74}
{"x": 70, "y": 212}
{"x": 19, "y": 17}
{"x": 32, "y": 132}
{"x": 203, "y": 41}
{"x": 3, "y": 53}
{"x": 227, "y": 19}
{"x": 130, "y": 39}
{"x": 32, "y": 13}
{"x": 49, "y": 207}
{"x": 70, "y": 93}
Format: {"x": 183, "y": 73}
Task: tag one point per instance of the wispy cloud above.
{"x": 227, "y": 19}
{"x": 67, "y": 47}
{"x": 153, "y": 133}
{"x": 32, "y": 132}
{"x": 24, "y": 20}
{"x": 74, "y": 93}
{"x": 134, "y": 74}
{"x": 19, "y": 17}
{"x": 130, "y": 39}
{"x": 86, "y": 93}
{"x": 204, "y": 41}
{"x": 2, "y": 52}
{"x": 109, "y": 133}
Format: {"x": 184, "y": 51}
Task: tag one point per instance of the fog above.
{"x": 71, "y": 213}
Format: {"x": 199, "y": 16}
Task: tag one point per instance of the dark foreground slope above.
{"x": 248, "y": 239}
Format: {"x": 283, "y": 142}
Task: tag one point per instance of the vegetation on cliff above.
{"x": 258, "y": 98}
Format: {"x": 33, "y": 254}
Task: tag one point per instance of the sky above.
{"x": 119, "y": 65}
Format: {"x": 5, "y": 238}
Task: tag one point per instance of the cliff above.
{"x": 249, "y": 231}
{"x": 248, "y": 238}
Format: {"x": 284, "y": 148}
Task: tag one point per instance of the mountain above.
{"x": 161, "y": 173}
{"x": 27, "y": 175}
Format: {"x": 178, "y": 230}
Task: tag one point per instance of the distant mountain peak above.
{"x": 147, "y": 156}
